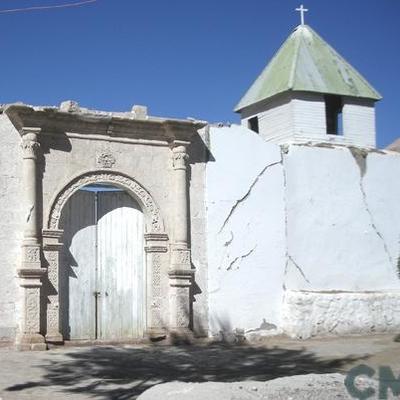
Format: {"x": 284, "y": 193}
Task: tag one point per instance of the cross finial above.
{"x": 302, "y": 10}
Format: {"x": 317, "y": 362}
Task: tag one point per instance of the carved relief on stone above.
{"x": 52, "y": 320}
{"x": 32, "y": 310}
{"x": 32, "y": 254}
{"x": 156, "y": 290}
{"x": 184, "y": 256}
{"x": 105, "y": 159}
{"x": 52, "y": 258}
{"x": 181, "y": 257}
{"x": 94, "y": 177}
{"x": 182, "y": 308}
{"x": 30, "y": 145}
{"x": 179, "y": 157}
{"x": 52, "y": 269}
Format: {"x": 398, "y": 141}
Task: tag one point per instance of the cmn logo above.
{"x": 386, "y": 380}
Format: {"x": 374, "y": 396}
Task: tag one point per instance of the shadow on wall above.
{"x": 121, "y": 373}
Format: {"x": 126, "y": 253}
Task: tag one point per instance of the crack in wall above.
{"x": 229, "y": 242}
{"x": 290, "y": 258}
{"x": 247, "y": 194}
{"x": 398, "y": 266}
{"x": 240, "y": 258}
{"x": 360, "y": 157}
{"x": 29, "y": 214}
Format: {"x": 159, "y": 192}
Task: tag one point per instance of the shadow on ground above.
{"x": 121, "y": 373}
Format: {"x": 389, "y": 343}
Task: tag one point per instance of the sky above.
{"x": 185, "y": 58}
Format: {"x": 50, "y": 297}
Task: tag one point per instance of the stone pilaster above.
{"x": 180, "y": 274}
{"x": 156, "y": 249}
{"x": 31, "y": 270}
{"x": 52, "y": 252}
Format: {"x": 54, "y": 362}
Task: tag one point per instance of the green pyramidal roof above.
{"x": 305, "y": 62}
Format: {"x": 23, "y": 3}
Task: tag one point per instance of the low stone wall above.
{"x": 313, "y": 313}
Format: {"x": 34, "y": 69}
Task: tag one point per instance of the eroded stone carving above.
{"x": 30, "y": 146}
{"x": 184, "y": 256}
{"x": 105, "y": 159}
{"x": 52, "y": 269}
{"x": 32, "y": 296}
{"x": 156, "y": 286}
{"x": 154, "y": 224}
{"x": 182, "y": 308}
{"x": 32, "y": 254}
{"x": 179, "y": 157}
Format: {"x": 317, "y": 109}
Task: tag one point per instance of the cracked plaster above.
{"x": 328, "y": 237}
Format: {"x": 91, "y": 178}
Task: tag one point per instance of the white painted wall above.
{"x": 300, "y": 117}
{"x": 245, "y": 228}
{"x": 290, "y": 117}
{"x": 343, "y": 227}
{"x": 311, "y": 246}
{"x": 309, "y": 119}
{"x": 339, "y": 232}
{"x": 275, "y": 118}
{"x": 359, "y": 122}
{"x": 11, "y": 219}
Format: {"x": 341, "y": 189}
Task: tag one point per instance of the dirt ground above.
{"x": 124, "y": 372}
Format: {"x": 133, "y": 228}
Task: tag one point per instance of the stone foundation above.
{"x": 310, "y": 313}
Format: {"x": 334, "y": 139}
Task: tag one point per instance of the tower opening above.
{"x": 253, "y": 124}
{"x": 334, "y": 118}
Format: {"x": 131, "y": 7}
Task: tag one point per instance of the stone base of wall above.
{"x": 306, "y": 314}
{"x": 7, "y": 334}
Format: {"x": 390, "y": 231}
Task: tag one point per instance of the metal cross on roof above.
{"x": 302, "y": 10}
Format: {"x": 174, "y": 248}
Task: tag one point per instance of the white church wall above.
{"x": 343, "y": 241}
{"x": 359, "y": 122}
{"x": 306, "y": 314}
{"x": 11, "y": 221}
{"x": 198, "y": 154}
{"x": 246, "y": 231}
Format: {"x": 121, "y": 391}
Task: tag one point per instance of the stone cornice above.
{"x": 119, "y": 125}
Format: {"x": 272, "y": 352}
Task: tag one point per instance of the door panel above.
{"x": 103, "y": 253}
{"x": 120, "y": 261}
{"x": 77, "y": 283}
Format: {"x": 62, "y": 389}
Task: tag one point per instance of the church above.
{"x": 125, "y": 226}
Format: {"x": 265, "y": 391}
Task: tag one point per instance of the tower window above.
{"x": 334, "y": 121}
{"x": 253, "y": 124}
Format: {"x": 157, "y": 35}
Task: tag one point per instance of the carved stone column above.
{"x": 180, "y": 274}
{"x": 52, "y": 252}
{"x": 31, "y": 271}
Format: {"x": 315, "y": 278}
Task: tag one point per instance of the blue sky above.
{"x": 185, "y": 58}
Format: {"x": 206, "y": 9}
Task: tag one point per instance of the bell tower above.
{"x": 309, "y": 93}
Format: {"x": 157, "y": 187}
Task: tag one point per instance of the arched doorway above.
{"x": 102, "y": 271}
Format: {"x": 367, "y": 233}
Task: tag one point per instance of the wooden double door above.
{"x": 102, "y": 273}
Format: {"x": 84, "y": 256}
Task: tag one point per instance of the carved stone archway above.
{"x": 156, "y": 249}
{"x": 154, "y": 222}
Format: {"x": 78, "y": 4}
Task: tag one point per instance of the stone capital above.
{"x": 29, "y": 143}
{"x": 179, "y": 157}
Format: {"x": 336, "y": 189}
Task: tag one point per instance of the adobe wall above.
{"x": 302, "y": 239}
